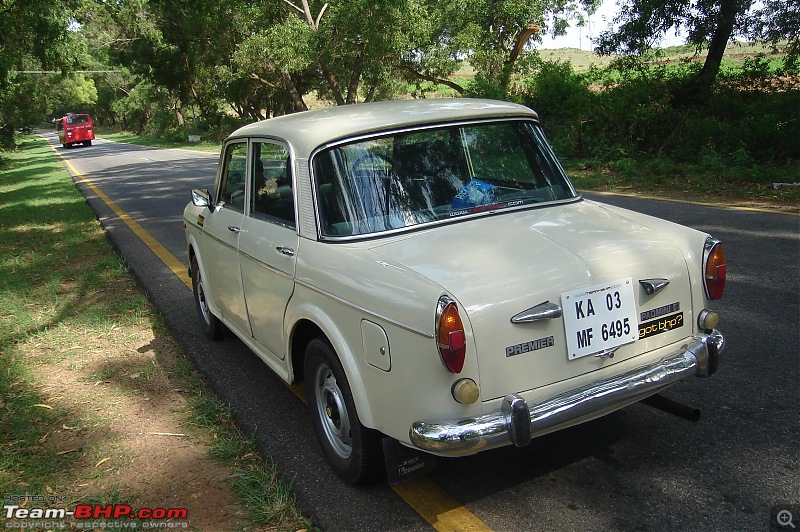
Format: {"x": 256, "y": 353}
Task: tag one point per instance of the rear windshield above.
{"x": 77, "y": 119}
{"x": 411, "y": 178}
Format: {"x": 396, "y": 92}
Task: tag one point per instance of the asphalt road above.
{"x": 637, "y": 469}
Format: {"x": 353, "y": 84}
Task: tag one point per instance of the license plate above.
{"x": 599, "y": 318}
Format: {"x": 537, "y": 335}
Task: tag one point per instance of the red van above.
{"x": 75, "y": 129}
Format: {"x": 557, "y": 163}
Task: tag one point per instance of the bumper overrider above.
{"x": 518, "y": 422}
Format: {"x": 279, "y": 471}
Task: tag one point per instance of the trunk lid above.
{"x": 498, "y": 266}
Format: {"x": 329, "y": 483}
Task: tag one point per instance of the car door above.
{"x": 222, "y": 227}
{"x": 268, "y": 242}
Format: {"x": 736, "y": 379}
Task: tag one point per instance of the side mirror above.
{"x": 201, "y": 197}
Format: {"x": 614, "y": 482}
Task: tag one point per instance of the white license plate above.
{"x": 599, "y": 318}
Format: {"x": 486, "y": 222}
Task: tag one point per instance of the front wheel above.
{"x": 212, "y": 327}
{"x": 354, "y": 451}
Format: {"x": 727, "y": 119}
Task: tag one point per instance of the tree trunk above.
{"x": 453, "y": 85}
{"x": 704, "y": 80}
{"x": 298, "y": 104}
{"x": 179, "y": 113}
{"x": 355, "y": 77}
{"x": 333, "y": 85}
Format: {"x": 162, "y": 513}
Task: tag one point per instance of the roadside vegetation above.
{"x": 614, "y": 126}
{"x": 717, "y": 117}
{"x": 617, "y": 127}
{"x": 98, "y": 404}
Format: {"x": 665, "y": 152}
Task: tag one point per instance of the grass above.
{"x": 69, "y": 304}
{"x": 690, "y": 181}
{"x": 158, "y": 140}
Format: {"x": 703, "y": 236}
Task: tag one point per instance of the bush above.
{"x": 624, "y": 114}
{"x": 564, "y": 103}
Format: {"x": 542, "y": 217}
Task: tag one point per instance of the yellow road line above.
{"x": 428, "y": 499}
{"x": 171, "y": 261}
{"x": 690, "y": 202}
{"x": 443, "y": 512}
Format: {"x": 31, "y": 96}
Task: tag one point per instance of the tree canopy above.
{"x": 709, "y": 24}
{"x": 34, "y": 35}
{"x": 162, "y": 59}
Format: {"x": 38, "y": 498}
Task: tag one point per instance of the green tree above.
{"x": 345, "y": 51}
{"x": 34, "y": 35}
{"x": 495, "y": 37}
{"x": 709, "y": 24}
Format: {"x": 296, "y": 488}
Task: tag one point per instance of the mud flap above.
{"x": 404, "y": 463}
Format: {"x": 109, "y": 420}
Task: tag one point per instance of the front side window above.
{"x": 232, "y": 187}
{"x": 410, "y": 178}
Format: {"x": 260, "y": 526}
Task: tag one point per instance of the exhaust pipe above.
{"x": 670, "y": 406}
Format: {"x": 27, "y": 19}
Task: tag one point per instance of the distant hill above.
{"x": 583, "y": 59}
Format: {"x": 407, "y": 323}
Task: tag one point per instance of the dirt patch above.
{"x": 129, "y": 438}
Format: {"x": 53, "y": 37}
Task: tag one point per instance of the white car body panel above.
{"x": 542, "y": 253}
{"x": 374, "y": 297}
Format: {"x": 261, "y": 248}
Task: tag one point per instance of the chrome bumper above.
{"x": 518, "y": 422}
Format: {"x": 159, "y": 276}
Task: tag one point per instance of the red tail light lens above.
{"x": 450, "y": 337}
{"x": 715, "y": 269}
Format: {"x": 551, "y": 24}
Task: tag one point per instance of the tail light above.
{"x": 715, "y": 270}
{"x": 450, "y": 338}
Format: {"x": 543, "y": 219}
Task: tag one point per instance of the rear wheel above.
{"x": 354, "y": 451}
{"x": 212, "y": 327}
{"x": 88, "y": 143}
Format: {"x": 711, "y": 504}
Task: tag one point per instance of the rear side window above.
{"x": 271, "y": 196}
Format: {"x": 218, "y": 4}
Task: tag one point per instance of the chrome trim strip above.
{"x": 459, "y": 437}
{"x": 217, "y": 239}
{"x": 541, "y": 312}
{"x": 404, "y": 326}
{"x": 273, "y": 269}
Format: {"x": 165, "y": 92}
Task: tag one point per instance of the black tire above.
{"x": 212, "y": 327}
{"x": 354, "y": 451}
{"x": 87, "y": 143}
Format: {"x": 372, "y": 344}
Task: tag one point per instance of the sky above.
{"x": 601, "y": 21}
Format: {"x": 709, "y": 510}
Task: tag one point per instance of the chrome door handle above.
{"x": 233, "y": 229}
{"x": 289, "y": 252}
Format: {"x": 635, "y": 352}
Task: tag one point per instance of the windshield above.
{"x": 411, "y": 178}
{"x": 77, "y": 119}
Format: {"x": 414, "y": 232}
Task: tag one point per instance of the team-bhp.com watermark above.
{"x": 18, "y": 513}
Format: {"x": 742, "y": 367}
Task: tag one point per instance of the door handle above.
{"x": 233, "y": 229}
{"x": 289, "y": 252}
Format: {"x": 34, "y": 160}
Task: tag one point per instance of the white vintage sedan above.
{"x": 429, "y": 272}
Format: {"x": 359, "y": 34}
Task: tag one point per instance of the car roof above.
{"x": 307, "y": 130}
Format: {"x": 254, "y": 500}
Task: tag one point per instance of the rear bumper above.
{"x": 518, "y": 422}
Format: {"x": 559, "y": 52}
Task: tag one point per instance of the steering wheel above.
{"x": 376, "y": 160}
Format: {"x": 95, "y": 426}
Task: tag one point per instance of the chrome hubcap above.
{"x": 201, "y": 297}
{"x": 332, "y": 412}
